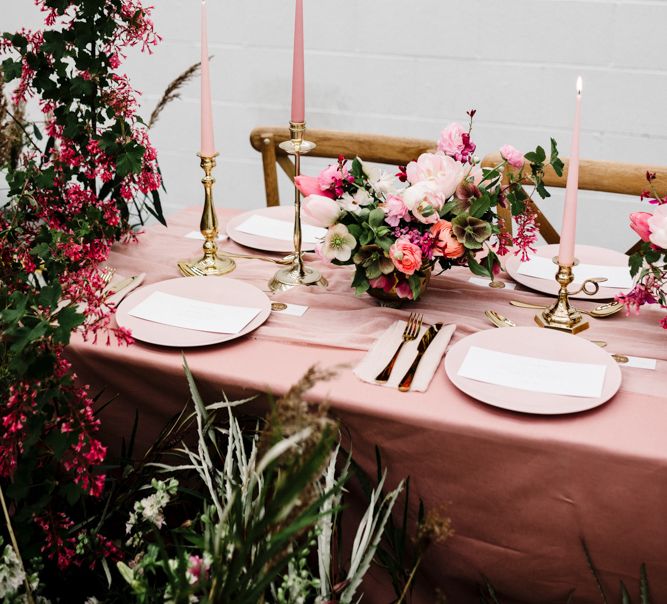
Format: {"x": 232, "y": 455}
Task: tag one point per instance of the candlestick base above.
{"x": 291, "y": 276}
{"x": 561, "y": 315}
{"x": 211, "y": 264}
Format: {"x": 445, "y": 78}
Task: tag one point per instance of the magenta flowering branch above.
{"x": 88, "y": 179}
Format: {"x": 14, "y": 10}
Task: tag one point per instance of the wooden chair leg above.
{"x": 270, "y": 172}
{"x": 288, "y": 167}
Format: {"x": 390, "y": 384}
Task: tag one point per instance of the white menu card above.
{"x": 543, "y": 268}
{"x": 280, "y": 229}
{"x": 533, "y": 374}
{"x": 193, "y": 314}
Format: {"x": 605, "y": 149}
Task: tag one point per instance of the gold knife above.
{"x": 424, "y": 343}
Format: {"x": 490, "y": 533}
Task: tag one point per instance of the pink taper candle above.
{"x": 298, "y": 94}
{"x": 207, "y": 143}
{"x": 569, "y": 228}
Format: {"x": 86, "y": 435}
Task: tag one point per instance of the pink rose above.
{"x": 395, "y": 211}
{"x": 639, "y": 224}
{"x": 658, "y": 225}
{"x": 455, "y": 142}
{"x": 512, "y": 156}
{"x": 322, "y": 211}
{"x": 445, "y": 243}
{"x": 441, "y": 171}
{"x": 406, "y": 256}
{"x": 310, "y": 185}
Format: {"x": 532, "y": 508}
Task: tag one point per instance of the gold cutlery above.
{"x": 121, "y": 285}
{"x": 107, "y": 274}
{"x": 287, "y": 260}
{"x": 501, "y": 321}
{"x": 410, "y": 333}
{"x": 498, "y": 320}
{"x": 424, "y": 343}
{"x": 598, "y": 312}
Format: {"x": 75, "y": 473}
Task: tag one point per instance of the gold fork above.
{"x": 107, "y": 274}
{"x": 410, "y": 333}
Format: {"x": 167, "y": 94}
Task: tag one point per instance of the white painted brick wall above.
{"x": 408, "y": 68}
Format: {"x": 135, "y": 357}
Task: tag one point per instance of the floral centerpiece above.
{"x": 438, "y": 211}
{"x": 649, "y": 264}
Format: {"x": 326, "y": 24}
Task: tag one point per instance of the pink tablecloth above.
{"x": 521, "y": 490}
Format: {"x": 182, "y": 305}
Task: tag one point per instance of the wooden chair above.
{"x": 609, "y": 177}
{"x": 370, "y": 147}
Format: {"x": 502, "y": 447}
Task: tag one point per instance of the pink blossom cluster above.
{"x": 527, "y": 234}
{"x": 20, "y": 406}
{"x": 652, "y": 229}
{"x": 61, "y": 542}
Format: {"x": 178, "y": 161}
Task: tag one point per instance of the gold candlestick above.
{"x": 297, "y": 273}
{"x": 210, "y": 264}
{"x": 561, "y": 315}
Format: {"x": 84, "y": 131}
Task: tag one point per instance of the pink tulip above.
{"x": 639, "y": 224}
{"x": 322, "y": 211}
{"x": 310, "y": 185}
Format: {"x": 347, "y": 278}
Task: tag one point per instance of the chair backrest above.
{"x": 370, "y": 147}
{"x": 606, "y": 176}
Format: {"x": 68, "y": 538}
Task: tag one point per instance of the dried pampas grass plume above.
{"x": 172, "y": 93}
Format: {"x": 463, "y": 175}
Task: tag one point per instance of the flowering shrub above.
{"x": 649, "y": 264}
{"x": 438, "y": 211}
{"x": 84, "y": 179}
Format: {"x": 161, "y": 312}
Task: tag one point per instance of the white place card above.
{"x": 280, "y": 229}
{"x": 543, "y": 268}
{"x": 532, "y": 374}
{"x": 200, "y": 237}
{"x": 641, "y": 363}
{"x": 295, "y": 310}
{"x": 193, "y": 314}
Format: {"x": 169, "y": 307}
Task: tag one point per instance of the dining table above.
{"x": 523, "y": 490}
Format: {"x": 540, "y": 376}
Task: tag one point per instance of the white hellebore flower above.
{"x": 338, "y": 243}
{"x": 354, "y": 203}
{"x": 382, "y": 181}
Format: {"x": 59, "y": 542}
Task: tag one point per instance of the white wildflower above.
{"x": 11, "y": 573}
{"x": 381, "y": 181}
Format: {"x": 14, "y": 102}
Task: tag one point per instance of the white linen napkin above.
{"x": 381, "y": 352}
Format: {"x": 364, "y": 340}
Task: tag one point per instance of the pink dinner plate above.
{"x": 586, "y": 254}
{"x": 219, "y": 290}
{"x": 267, "y": 244}
{"x": 538, "y": 343}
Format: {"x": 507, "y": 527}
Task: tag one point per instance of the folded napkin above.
{"x": 118, "y": 296}
{"x": 381, "y": 352}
